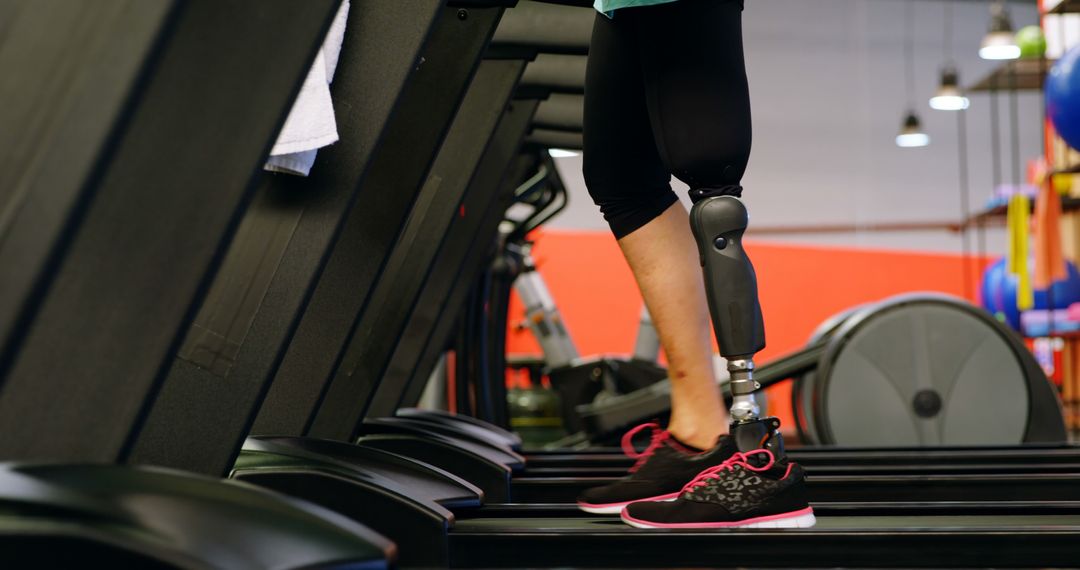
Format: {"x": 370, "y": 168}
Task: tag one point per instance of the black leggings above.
{"x": 666, "y": 94}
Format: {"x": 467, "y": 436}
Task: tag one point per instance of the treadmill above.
{"x": 196, "y": 328}
{"x": 430, "y": 502}
{"x": 113, "y": 117}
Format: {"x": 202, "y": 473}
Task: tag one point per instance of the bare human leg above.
{"x": 663, "y": 257}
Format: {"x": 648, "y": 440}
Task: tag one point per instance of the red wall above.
{"x": 800, "y": 286}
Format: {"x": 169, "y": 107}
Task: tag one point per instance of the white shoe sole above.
{"x": 604, "y": 510}
{"x": 617, "y": 508}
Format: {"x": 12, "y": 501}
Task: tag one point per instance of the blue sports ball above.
{"x": 1063, "y": 97}
{"x": 1063, "y": 292}
{"x": 991, "y": 287}
{"x": 999, "y": 293}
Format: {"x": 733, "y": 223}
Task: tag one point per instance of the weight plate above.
{"x": 801, "y": 393}
{"x": 921, "y": 371}
{"x": 802, "y": 386}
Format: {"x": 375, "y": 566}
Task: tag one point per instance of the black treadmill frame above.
{"x": 363, "y": 250}
{"x": 100, "y": 318}
{"x": 220, "y": 375}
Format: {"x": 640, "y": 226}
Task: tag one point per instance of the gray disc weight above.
{"x": 921, "y": 371}
{"x": 802, "y": 387}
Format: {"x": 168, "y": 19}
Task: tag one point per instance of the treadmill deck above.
{"x": 906, "y": 541}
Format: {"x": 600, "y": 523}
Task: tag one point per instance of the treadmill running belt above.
{"x": 984, "y": 487}
{"x": 1002, "y": 523}
{"x": 836, "y": 541}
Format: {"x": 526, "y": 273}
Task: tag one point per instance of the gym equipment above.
{"x": 1062, "y": 293}
{"x": 1031, "y": 41}
{"x": 117, "y": 111}
{"x": 304, "y": 233}
{"x": 459, "y": 189}
{"x": 613, "y": 462}
{"x": 561, "y": 112}
{"x": 475, "y": 356}
{"x": 382, "y": 329}
{"x": 421, "y": 122}
{"x": 991, "y": 295}
{"x": 917, "y": 369}
{"x": 123, "y": 517}
{"x": 577, "y": 380}
{"x": 114, "y": 296}
{"x": 974, "y": 382}
{"x": 1063, "y": 97}
{"x": 545, "y": 27}
{"x": 1044, "y": 323}
{"x": 555, "y": 73}
{"x": 535, "y": 414}
{"x": 545, "y": 138}
{"x": 838, "y": 541}
{"x": 999, "y": 293}
{"x": 1008, "y": 290}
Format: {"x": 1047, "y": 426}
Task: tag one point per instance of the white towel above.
{"x": 311, "y": 125}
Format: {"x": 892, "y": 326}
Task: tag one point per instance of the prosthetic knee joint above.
{"x": 718, "y": 222}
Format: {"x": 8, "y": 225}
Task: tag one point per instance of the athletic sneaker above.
{"x": 749, "y": 490}
{"x": 659, "y": 474}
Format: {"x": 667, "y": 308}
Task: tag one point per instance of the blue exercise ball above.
{"x": 1063, "y": 292}
{"x": 1006, "y": 292}
{"x": 999, "y": 289}
{"x": 991, "y": 287}
{"x": 1063, "y": 97}
{"x": 999, "y": 294}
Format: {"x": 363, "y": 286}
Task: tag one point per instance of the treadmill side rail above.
{"x": 417, "y": 524}
{"x": 65, "y": 515}
{"x": 487, "y": 473}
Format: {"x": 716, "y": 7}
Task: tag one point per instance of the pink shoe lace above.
{"x": 741, "y": 459}
{"x": 659, "y": 436}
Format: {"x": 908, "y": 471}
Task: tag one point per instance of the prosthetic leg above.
{"x": 718, "y": 222}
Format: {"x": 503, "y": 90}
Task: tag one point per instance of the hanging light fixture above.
{"x": 949, "y": 97}
{"x": 999, "y": 42}
{"x": 562, "y": 153}
{"x": 911, "y": 133}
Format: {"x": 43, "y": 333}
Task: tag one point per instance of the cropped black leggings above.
{"x": 665, "y": 94}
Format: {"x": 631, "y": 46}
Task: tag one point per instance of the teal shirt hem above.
{"x": 608, "y": 7}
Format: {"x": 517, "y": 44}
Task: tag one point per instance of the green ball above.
{"x": 1031, "y": 41}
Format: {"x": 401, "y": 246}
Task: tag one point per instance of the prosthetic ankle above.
{"x": 719, "y": 221}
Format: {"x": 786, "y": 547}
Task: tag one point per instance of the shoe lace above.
{"x": 739, "y": 459}
{"x": 658, "y": 437}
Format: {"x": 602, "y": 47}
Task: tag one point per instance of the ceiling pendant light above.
{"x": 949, "y": 97}
{"x": 999, "y": 42}
{"x": 911, "y": 133}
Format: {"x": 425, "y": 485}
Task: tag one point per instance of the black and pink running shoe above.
{"x": 660, "y": 473}
{"x": 749, "y": 490}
